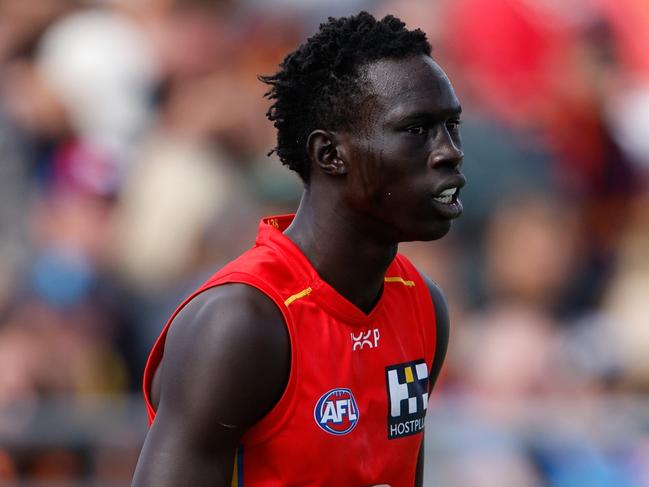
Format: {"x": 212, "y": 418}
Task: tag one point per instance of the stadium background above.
{"x": 133, "y": 163}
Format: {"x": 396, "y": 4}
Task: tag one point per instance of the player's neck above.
{"x": 342, "y": 250}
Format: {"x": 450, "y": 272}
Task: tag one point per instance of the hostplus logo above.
{"x": 408, "y": 398}
{"x": 336, "y": 411}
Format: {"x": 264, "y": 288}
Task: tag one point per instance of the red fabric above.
{"x": 334, "y": 348}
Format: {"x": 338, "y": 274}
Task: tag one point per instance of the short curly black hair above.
{"x": 319, "y": 86}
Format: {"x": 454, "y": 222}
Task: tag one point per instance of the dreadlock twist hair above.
{"x": 319, "y": 86}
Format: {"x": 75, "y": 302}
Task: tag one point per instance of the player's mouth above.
{"x": 447, "y": 196}
{"x": 448, "y": 203}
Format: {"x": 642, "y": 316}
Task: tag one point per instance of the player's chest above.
{"x": 367, "y": 382}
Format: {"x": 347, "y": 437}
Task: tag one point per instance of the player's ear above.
{"x": 324, "y": 153}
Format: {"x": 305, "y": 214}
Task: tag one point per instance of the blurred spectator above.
{"x": 625, "y": 304}
{"x": 133, "y": 150}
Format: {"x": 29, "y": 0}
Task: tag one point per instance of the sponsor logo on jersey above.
{"x": 336, "y": 411}
{"x": 369, "y": 338}
{"x": 408, "y": 398}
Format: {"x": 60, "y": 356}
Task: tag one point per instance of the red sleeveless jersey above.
{"x": 353, "y": 410}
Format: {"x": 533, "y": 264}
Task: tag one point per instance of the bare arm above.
{"x": 225, "y": 365}
{"x": 442, "y": 329}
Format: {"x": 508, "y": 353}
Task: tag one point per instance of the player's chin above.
{"x": 432, "y": 230}
{"x": 438, "y": 230}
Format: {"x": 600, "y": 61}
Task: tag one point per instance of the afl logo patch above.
{"x": 336, "y": 411}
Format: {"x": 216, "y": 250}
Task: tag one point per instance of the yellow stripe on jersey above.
{"x": 401, "y": 280}
{"x": 235, "y": 472}
{"x": 296, "y": 296}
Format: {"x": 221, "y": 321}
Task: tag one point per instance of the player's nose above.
{"x": 446, "y": 153}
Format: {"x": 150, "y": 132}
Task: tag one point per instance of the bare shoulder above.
{"x": 227, "y": 356}
{"x": 442, "y": 326}
{"x": 226, "y": 364}
{"x": 439, "y": 300}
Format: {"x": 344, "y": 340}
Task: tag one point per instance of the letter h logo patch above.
{"x": 407, "y": 385}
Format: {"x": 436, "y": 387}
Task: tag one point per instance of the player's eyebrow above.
{"x": 456, "y": 110}
{"x": 425, "y": 115}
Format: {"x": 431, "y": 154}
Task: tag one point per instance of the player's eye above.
{"x": 453, "y": 125}
{"x": 417, "y": 130}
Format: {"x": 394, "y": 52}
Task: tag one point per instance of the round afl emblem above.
{"x": 336, "y": 411}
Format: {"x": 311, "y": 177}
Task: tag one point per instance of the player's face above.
{"x": 406, "y": 154}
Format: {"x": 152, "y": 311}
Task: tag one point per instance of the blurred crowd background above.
{"x": 133, "y": 164}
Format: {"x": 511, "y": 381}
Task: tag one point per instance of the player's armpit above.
{"x": 226, "y": 363}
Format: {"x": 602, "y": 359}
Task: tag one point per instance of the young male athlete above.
{"x": 308, "y": 360}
